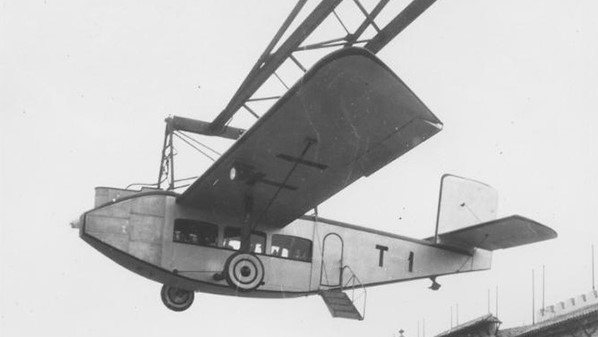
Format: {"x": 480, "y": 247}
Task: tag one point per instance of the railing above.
{"x": 354, "y": 284}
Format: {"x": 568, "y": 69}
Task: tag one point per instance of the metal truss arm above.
{"x": 271, "y": 60}
{"x": 398, "y": 24}
{"x": 258, "y": 77}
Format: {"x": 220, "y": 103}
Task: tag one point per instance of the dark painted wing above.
{"x": 346, "y": 118}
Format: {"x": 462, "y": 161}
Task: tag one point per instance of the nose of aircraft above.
{"x": 76, "y": 223}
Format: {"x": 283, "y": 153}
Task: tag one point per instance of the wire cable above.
{"x": 193, "y": 146}
{"x": 198, "y": 143}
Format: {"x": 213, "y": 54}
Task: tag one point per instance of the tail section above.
{"x": 508, "y": 232}
{"x": 467, "y": 219}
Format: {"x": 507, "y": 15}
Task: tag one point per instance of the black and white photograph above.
{"x": 397, "y": 168}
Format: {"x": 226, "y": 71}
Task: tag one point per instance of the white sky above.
{"x": 85, "y": 86}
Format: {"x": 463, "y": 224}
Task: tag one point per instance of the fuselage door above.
{"x": 332, "y": 260}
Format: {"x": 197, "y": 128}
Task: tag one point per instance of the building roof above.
{"x": 477, "y": 323}
{"x": 554, "y": 323}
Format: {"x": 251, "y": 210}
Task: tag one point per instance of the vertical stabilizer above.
{"x": 463, "y": 203}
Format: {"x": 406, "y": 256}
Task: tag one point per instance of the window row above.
{"x": 206, "y": 234}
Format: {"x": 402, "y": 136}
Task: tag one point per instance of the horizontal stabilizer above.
{"x": 501, "y": 233}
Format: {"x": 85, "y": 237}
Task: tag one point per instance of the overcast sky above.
{"x": 85, "y": 86}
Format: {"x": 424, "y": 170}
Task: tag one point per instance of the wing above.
{"x": 346, "y": 118}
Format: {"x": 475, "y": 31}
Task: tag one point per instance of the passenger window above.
{"x": 232, "y": 240}
{"x": 291, "y": 247}
{"x": 195, "y": 232}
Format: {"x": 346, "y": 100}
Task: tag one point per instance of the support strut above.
{"x": 247, "y": 222}
{"x": 167, "y": 162}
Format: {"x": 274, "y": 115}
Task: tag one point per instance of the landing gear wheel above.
{"x": 244, "y": 271}
{"x": 176, "y": 299}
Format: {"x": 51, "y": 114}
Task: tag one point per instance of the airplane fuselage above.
{"x": 152, "y": 235}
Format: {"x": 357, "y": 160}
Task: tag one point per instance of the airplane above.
{"x": 242, "y": 228}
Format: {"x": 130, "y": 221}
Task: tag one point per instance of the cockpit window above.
{"x": 195, "y": 232}
{"x": 232, "y": 240}
{"x": 291, "y": 247}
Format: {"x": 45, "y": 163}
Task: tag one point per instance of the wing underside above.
{"x": 346, "y": 118}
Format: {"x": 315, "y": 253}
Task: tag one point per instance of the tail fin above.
{"x": 467, "y": 218}
{"x": 464, "y": 202}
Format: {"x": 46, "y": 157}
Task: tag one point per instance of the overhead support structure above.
{"x": 166, "y": 174}
{"x": 268, "y": 63}
{"x": 366, "y": 23}
{"x": 173, "y": 125}
{"x": 398, "y": 24}
{"x": 276, "y": 53}
{"x": 176, "y": 123}
{"x": 271, "y": 59}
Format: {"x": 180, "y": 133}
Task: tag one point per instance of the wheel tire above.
{"x": 176, "y": 299}
{"x": 244, "y": 271}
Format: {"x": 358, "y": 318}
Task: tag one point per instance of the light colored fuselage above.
{"x": 152, "y": 235}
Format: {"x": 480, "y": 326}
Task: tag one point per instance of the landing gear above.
{"x": 244, "y": 271}
{"x": 176, "y": 299}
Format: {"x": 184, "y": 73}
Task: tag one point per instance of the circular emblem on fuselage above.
{"x": 244, "y": 271}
